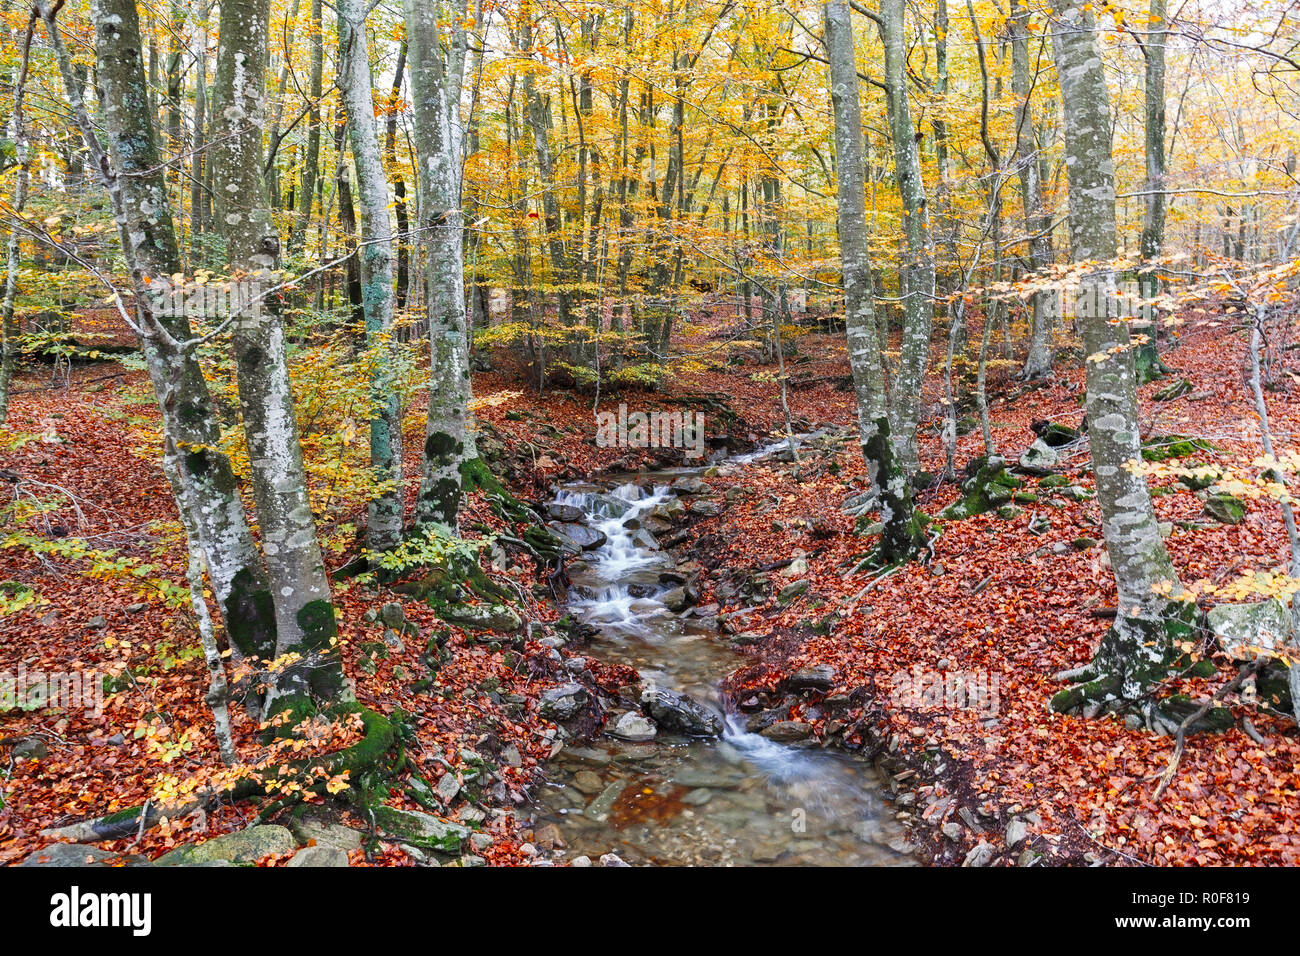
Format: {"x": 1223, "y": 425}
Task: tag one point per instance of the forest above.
{"x": 631, "y": 433}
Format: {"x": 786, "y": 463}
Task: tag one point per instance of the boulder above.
{"x": 564, "y": 702}
{"x": 580, "y": 536}
{"x": 690, "y": 485}
{"x": 1039, "y": 458}
{"x": 564, "y": 513}
{"x": 704, "y": 508}
{"x": 422, "y": 830}
{"x": 319, "y": 856}
{"x": 787, "y": 731}
{"x": 1246, "y": 629}
{"x": 482, "y": 617}
{"x": 242, "y": 846}
{"x": 680, "y": 714}
{"x": 1225, "y": 508}
{"x": 76, "y": 854}
{"x": 309, "y": 829}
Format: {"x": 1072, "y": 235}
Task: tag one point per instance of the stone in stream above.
{"x": 579, "y": 536}
{"x": 678, "y": 599}
{"x": 787, "y": 731}
{"x": 681, "y": 714}
{"x": 634, "y": 726}
{"x": 588, "y": 782}
{"x": 599, "y": 808}
{"x": 564, "y": 513}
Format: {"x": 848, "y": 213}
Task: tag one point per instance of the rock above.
{"x": 29, "y": 748}
{"x": 563, "y": 702}
{"x": 690, "y": 486}
{"x": 480, "y": 841}
{"x": 394, "y": 640}
{"x": 583, "y": 537}
{"x": 448, "y": 787}
{"x": 325, "y": 833}
{"x": 242, "y": 846}
{"x": 612, "y": 859}
{"x": 421, "y": 829}
{"x": 1245, "y": 629}
{"x": 818, "y": 677}
{"x": 588, "y": 782}
{"x": 634, "y": 726}
{"x": 1224, "y": 508}
{"x": 322, "y": 855}
{"x": 511, "y": 757}
{"x": 598, "y": 810}
{"x": 500, "y": 618}
{"x": 704, "y": 508}
{"x": 980, "y": 855}
{"x": 469, "y": 859}
{"x": 792, "y": 591}
{"x": 548, "y": 837}
{"x": 580, "y": 861}
{"x": 1017, "y": 830}
{"x": 787, "y": 731}
{"x": 1083, "y": 544}
{"x": 1039, "y": 458}
{"x": 679, "y": 598}
{"x": 76, "y": 854}
{"x": 680, "y": 714}
{"x": 952, "y": 831}
{"x": 566, "y": 514}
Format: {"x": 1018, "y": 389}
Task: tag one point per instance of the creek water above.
{"x": 741, "y": 799}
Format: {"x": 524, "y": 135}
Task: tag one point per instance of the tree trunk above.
{"x": 384, "y": 527}
{"x": 435, "y": 94}
{"x": 304, "y": 611}
{"x": 918, "y": 270}
{"x": 903, "y": 534}
{"x": 1139, "y": 649}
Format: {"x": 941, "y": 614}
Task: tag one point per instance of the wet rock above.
{"x": 598, "y": 810}
{"x": 578, "y": 536}
{"x": 319, "y": 856}
{"x": 680, "y": 714}
{"x": 705, "y": 508}
{"x": 612, "y": 859}
{"x": 690, "y": 486}
{"x": 242, "y": 846}
{"x": 818, "y": 677}
{"x": 787, "y": 731}
{"x": 567, "y": 514}
{"x": 588, "y": 782}
{"x": 580, "y": 861}
{"x": 679, "y": 598}
{"x": 563, "y": 702}
{"x": 634, "y": 726}
{"x": 547, "y": 836}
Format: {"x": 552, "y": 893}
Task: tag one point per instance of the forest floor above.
{"x": 997, "y": 599}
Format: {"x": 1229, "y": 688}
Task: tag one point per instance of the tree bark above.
{"x": 902, "y": 535}
{"x": 384, "y": 527}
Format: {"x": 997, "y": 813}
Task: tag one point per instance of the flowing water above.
{"x": 738, "y": 800}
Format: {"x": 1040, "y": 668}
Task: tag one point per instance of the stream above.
{"x": 737, "y": 800}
